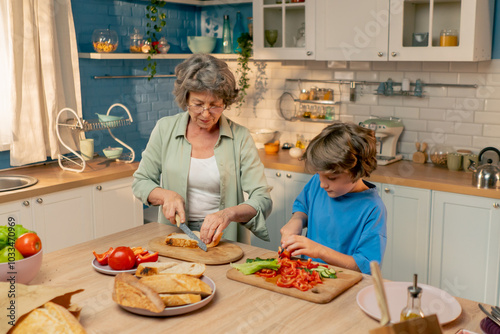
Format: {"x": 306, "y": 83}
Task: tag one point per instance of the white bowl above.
{"x": 25, "y": 270}
{"x": 263, "y": 136}
{"x": 201, "y": 44}
{"x": 113, "y": 152}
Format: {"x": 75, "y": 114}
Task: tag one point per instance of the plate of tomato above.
{"x": 122, "y": 260}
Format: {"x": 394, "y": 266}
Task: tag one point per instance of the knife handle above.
{"x": 178, "y": 220}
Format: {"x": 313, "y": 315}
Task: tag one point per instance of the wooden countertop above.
{"x": 403, "y": 173}
{"x": 51, "y": 178}
{"x": 235, "y": 308}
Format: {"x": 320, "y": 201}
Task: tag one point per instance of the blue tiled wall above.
{"x": 146, "y": 100}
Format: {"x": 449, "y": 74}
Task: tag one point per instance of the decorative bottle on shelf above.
{"x": 412, "y": 309}
{"x": 237, "y": 31}
{"x": 227, "y": 46}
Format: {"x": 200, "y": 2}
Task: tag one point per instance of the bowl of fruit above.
{"x": 20, "y": 254}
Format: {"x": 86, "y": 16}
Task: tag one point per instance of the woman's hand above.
{"x": 213, "y": 226}
{"x": 172, "y": 203}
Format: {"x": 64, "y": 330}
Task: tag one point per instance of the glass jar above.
{"x": 328, "y": 94}
{"x": 146, "y": 46}
{"x": 413, "y": 309}
{"x": 304, "y": 95}
{"x": 163, "y": 45}
{"x": 448, "y": 37}
{"x": 439, "y": 155}
{"x": 136, "y": 42}
{"x": 104, "y": 40}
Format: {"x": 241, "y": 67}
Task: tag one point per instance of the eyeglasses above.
{"x": 199, "y": 109}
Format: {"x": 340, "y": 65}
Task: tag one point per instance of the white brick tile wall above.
{"x": 461, "y": 117}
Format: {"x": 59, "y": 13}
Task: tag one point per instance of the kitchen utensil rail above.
{"x": 157, "y": 76}
{"x": 378, "y": 82}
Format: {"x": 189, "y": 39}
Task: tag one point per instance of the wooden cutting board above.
{"x": 224, "y": 252}
{"x": 323, "y": 294}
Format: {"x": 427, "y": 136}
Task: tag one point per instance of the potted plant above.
{"x": 157, "y": 23}
{"x": 244, "y": 52}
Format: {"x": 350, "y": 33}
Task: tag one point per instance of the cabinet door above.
{"x": 294, "y": 184}
{"x": 64, "y": 218}
{"x": 408, "y": 215}
{"x": 472, "y": 20}
{"x": 465, "y": 246}
{"x": 352, "y": 30}
{"x": 294, "y": 25}
{"x": 18, "y": 212}
{"x": 276, "y": 219}
{"x": 115, "y": 207}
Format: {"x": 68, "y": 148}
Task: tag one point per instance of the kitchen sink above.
{"x": 13, "y": 182}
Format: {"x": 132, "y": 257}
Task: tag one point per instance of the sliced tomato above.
{"x": 285, "y": 282}
{"x": 103, "y": 258}
{"x": 266, "y": 273}
{"x": 301, "y": 285}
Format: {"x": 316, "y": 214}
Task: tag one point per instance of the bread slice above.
{"x": 129, "y": 291}
{"x": 51, "y": 318}
{"x": 183, "y": 240}
{"x": 179, "y": 299}
{"x": 177, "y": 283}
{"x": 158, "y": 268}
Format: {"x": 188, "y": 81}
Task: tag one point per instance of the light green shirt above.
{"x": 167, "y": 156}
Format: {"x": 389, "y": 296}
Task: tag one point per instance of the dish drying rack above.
{"x": 81, "y": 125}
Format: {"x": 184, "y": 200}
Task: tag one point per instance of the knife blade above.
{"x": 495, "y": 320}
{"x": 190, "y": 233}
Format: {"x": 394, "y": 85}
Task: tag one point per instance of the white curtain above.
{"x": 46, "y": 76}
{"x": 6, "y": 75}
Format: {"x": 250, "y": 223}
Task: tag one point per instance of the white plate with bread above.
{"x": 164, "y": 289}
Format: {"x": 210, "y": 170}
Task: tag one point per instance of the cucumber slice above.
{"x": 324, "y": 274}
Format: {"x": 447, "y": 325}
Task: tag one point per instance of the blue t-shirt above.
{"x": 353, "y": 224}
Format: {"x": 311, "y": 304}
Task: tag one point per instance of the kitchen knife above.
{"x": 190, "y": 233}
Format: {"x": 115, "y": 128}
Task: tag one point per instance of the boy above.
{"x": 344, "y": 215}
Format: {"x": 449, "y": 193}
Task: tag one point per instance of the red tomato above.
{"x": 28, "y": 244}
{"x": 121, "y": 258}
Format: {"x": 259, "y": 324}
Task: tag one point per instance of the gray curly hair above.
{"x": 200, "y": 73}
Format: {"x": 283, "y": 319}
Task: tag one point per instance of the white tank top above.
{"x": 203, "y": 192}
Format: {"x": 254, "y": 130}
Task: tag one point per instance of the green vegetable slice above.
{"x": 252, "y": 267}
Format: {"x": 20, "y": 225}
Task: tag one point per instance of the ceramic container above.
{"x": 25, "y": 269}
{"x": 201, "y": 44}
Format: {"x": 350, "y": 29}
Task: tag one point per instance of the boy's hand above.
{"x": 300, "y": 245}
{"x": 293, "y": 227}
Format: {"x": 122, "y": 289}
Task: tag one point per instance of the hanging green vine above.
{"x": 244, "y": 52}
{"x": 157, "y": 23}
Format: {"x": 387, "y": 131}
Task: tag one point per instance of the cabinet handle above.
{"x": 380, "y": 54}
{"x": 278, "y": 174}
{"x": 39, "y": 200}
{"x": 289, "y": 176}
{"x": 387, "y": 190}
{"x": 394, "y": 54}
{"x": 496, "y": 205}
{"x": 309, "y": 53}
{"x": 99, "y": 188}
{"x": 26, "y": 203}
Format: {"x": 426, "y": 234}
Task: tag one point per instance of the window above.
{"x": 6, "y": 75}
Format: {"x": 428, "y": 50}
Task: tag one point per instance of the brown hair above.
{"x": 342, "y": 147}
{"x": 200, "y": 73}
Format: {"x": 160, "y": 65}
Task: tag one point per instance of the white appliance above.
{"x": 387, "y": 131}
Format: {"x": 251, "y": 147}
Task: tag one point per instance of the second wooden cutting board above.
{"x": 323, "y": 293}
{"x": 224, "y": 252}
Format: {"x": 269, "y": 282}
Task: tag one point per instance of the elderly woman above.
{"x": 198, "y": 163}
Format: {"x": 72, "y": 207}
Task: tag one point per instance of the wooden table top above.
{"x": 403, "y": 173}
{"x": 235, "y": 308}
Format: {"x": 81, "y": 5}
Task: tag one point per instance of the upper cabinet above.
{"x": 374, "y": 30}
{"x": 284, "y": 29}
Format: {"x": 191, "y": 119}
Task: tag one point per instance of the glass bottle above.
{"x": 418, "y": 88}
{"x": 412, "y": 309}
{"x": 300, "y": 141}
{"x": 136, "y": 41}
{"x": 237, "y": 31}
{"x": 227, "y": 46}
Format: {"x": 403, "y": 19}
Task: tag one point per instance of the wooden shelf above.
{"x": 314, "y": 120}
{"x": 208, "y": 2}
{"x": 320, "y": 102}
{"x": 112, "y": 55}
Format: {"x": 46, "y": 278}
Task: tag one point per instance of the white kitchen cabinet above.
{"x": 408, "y": 224}
{"x": 69, "y": 217}
{"x": 287, "y": 18}
{"x": 115, "y": 207}
{"x": 465, "y": 246}
{"x": 382, "y": 30}
{"x": 286, "y": 187}
{"x": 64, "y": 218}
